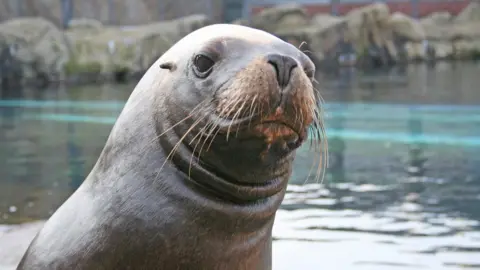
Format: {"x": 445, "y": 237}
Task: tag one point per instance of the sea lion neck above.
{"x": 197, "y": 188}
{"x": 213, "y": 183}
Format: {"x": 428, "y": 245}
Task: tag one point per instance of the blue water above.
{"x": 402, "y": 190}
{"x": 448, "y": 115}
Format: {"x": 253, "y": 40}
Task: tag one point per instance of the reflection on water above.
{"x": 402, "y": 189}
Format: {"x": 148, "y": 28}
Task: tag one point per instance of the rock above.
{"x": 305, "y": 36}
{"x": 415, "y": 51}
{"x": 370, "y": 32}
{"x": 47, "y": 9}
{"x": 41, "y": 48}
{"x": 368, "y": 20}
{"x": 187, "y": 24}
{"x": 468, "y": 31}
{"x": 322, "y": 36}
{"x": 240, "y": 22}
{"x": 89, "y": 50}
{"x": 375, "y": 33}
{"x": 452, "y": 32}
{"x": 113, "y": 12}
{"x": 320, "y": 39}
{"x": 443, "y": 50}
{"x": 11, "y": 70}
{"x": 437, "y": 18}
{"x": 281, "y": 18}
{"x": 466, "y": 49}
{"x": 326, "y": 20}
{"x": 458, "y": 50}
{"x": 462, "y": 35}
{"x": 85, "y": 24}
{"x": 369, "y": 26}
{"x": 458, "y": 39}
{"x": 418, "y": 50}
{"x": 469, "y": 14}
{"x": 364, "y": 28}
{"x": 291, "y": 23}
{"x": 437, "y": 32}
{"x": 406, "y": 27}
{"x": 127, "y": 50}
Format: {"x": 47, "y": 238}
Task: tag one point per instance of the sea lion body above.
{"x": 162, "y": 197}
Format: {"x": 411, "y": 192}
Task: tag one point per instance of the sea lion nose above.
{"x": 283, "y": 66}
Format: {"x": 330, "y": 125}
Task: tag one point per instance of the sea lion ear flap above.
{"x": 168, "y": 65}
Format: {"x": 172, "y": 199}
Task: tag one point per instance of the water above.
{"x": 402, "y": 190}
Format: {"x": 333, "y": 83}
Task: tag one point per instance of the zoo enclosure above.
{"x": 130, "y": 12}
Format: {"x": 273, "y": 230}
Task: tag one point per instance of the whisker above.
{"x": 313, "y": 130}
{"x": 206, "y": 132}
{"x": 193, "y": 152}
{"x": 214, "y": 126}
{"x": 324, "y": 143}
{"x": 239, "y": 112}
{"x": 253, "y": 108}
{"x": 234, "y": 117}
{"x": 301, "y": 44}
{"x": 175, "y": 147}
{"x": 252, "y": 113}
{"x": 194, "y": 111}
{"x": 318, "y": 141}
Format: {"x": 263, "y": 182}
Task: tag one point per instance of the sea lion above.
{"x": 196, "y": 164}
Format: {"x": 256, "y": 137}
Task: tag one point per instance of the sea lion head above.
{"x": 239, "y": 103}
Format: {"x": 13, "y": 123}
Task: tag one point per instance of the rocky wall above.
{"x": 35, "y": 49}
{"x": 374, "y": 30}
{"x": 88, "y": 51}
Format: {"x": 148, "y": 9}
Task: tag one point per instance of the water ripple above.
{"x": 374, "y": 234}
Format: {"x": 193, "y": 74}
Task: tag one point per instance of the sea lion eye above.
{"x": 203, "y": 65}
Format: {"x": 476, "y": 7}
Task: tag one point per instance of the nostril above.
{"x": 283, "y": 66}
{"x": 275, "y": 66}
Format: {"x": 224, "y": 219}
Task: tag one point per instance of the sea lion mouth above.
{"x": 279, "y": 129}
{"x": 281, "y": 132}
{"x": 272, "y": 128}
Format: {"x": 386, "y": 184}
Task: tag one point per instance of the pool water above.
{"x": 402, "y": 190}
